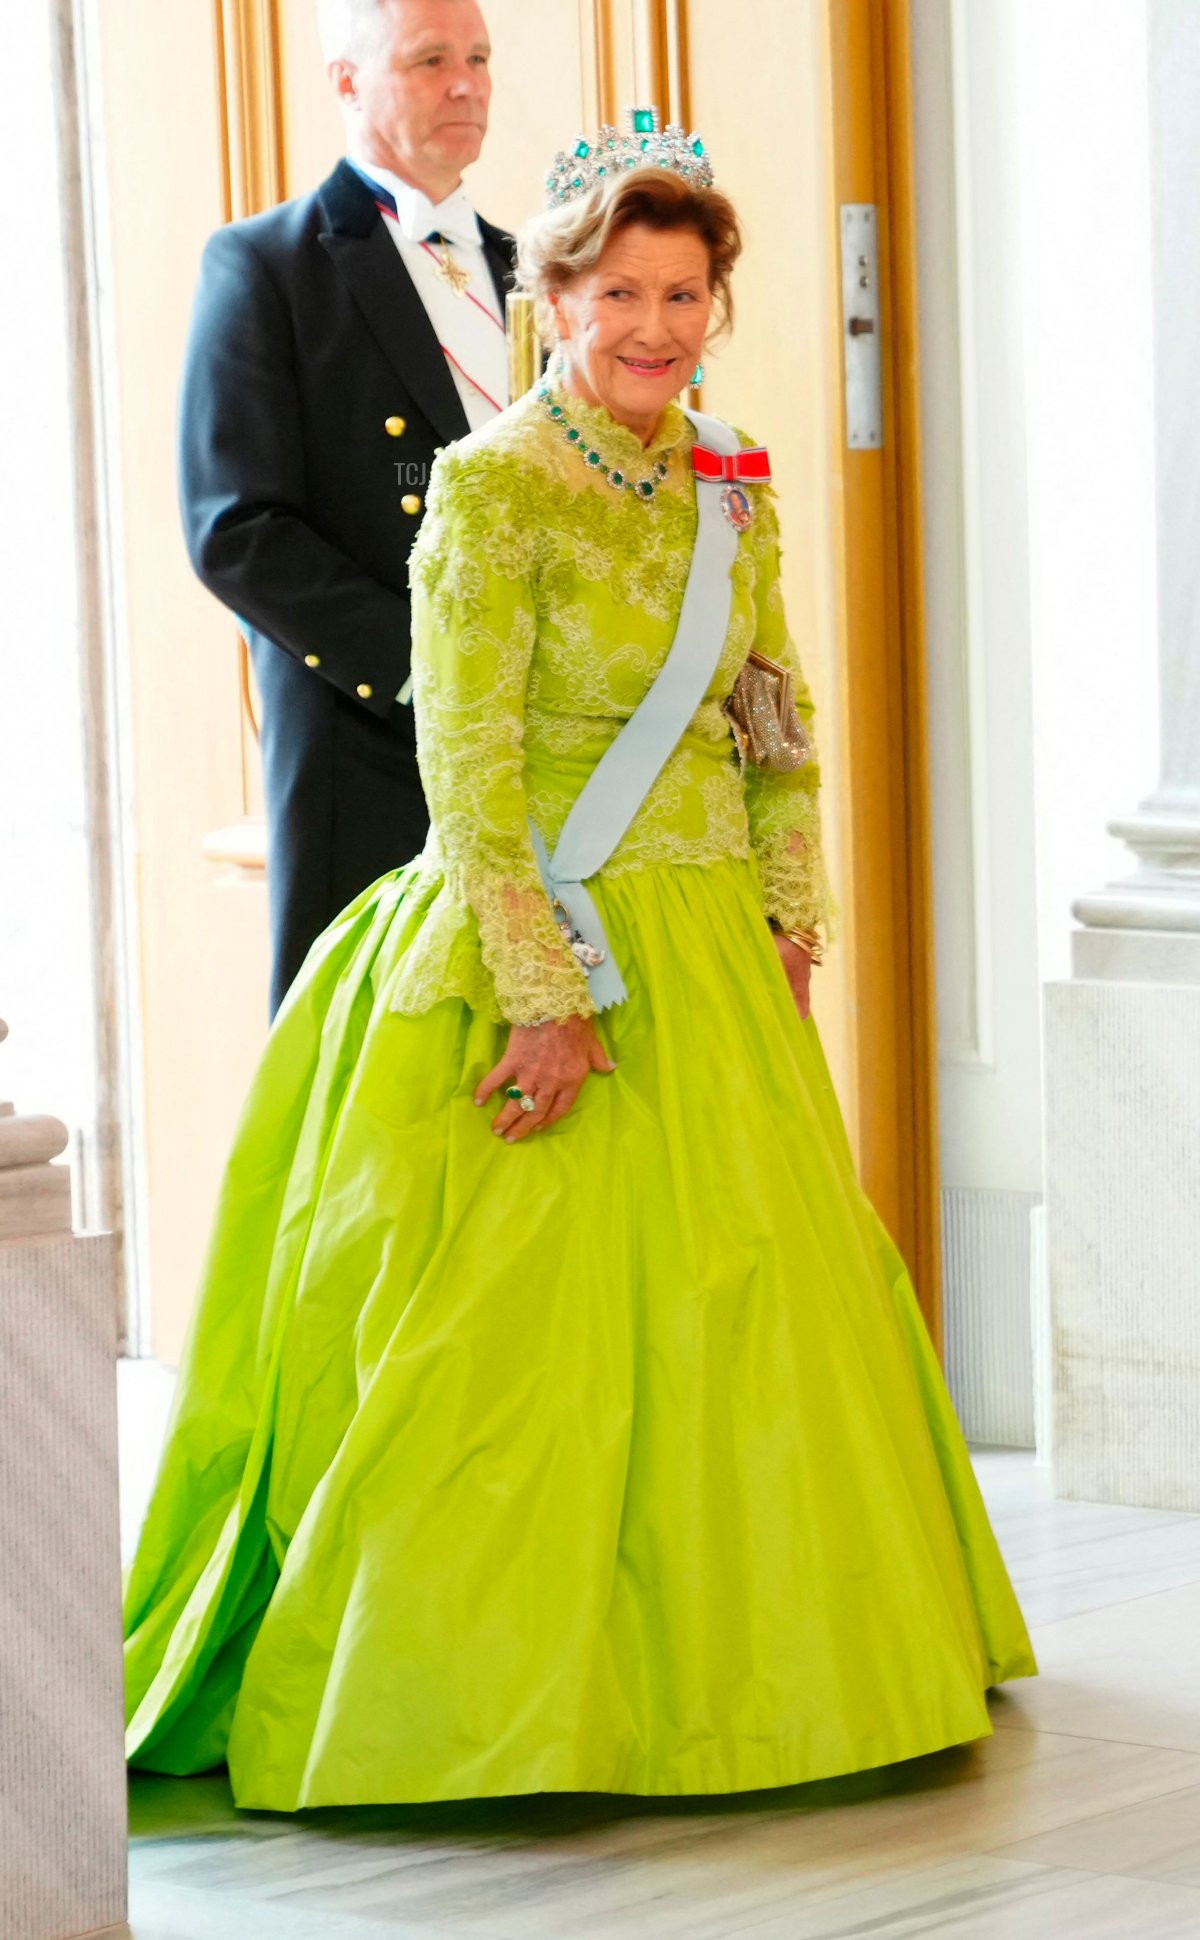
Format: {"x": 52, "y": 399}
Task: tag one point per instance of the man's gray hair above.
{"x": 350, "y": 28}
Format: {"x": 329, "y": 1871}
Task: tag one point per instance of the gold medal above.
{"x": 451, "y": 273}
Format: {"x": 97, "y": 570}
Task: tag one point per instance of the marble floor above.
{"x": 1080, "y": 1817}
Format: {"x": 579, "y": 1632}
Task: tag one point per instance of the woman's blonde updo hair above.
{"x": 560, "y": 244}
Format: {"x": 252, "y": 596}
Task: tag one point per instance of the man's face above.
{"x": 418, "y": 95}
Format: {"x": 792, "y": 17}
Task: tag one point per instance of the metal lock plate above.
{"x": 862, "y": 326}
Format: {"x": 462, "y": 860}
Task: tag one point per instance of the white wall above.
{"x": 978, "y": 550}
{"x": 1085, "y": 155}
{"x": 1032, "y": 156}
{"x": 45, "y": 988}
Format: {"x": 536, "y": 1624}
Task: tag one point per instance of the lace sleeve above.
{"x": 474, "y": 627}
{"x": 784, "y": 809}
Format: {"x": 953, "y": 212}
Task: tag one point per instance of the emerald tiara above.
{"x": 646, "y": 144}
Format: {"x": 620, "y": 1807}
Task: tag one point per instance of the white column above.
{"x": 1122, "y": 1038}
{"x": 1147, "y": 927}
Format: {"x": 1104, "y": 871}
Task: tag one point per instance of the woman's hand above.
{"x": 549, "y": 1063}
{"x": 797, "y": 967}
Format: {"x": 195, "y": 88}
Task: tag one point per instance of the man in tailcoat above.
{"x": 338, "y": 342}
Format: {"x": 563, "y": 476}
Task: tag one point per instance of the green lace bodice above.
{"x": 544, "y": 604}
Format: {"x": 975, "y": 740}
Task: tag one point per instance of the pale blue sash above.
{"x": 629, "y": 768}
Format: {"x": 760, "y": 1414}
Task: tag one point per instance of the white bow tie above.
{"x": 419, "y": 218}
{"x": 454, "y": 219}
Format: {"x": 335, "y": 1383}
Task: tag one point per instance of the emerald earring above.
{"x": 698, "y": 374}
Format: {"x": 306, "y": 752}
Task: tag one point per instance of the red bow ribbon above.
{"x": 752, "y": 467}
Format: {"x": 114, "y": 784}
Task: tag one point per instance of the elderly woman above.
{"x": 591, "y": 1441}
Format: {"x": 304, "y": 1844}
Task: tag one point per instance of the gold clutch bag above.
{"x": 766, "y": 726}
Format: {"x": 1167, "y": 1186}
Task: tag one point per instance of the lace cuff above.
{"x": 783, "y": 810}
{"x": 524, "y": 953}
{"x": 792, "y": 867}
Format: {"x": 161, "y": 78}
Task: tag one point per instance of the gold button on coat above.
{"x": 312, "y": 659}
{"x": 411, "y": 504}
{"x": 395, "y": 427}
{"x": 365, "y": 692}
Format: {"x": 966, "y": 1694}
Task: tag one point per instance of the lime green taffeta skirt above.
{"x": 618, "y": 1460}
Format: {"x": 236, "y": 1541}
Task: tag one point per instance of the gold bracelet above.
{"x": 806, "y": 940}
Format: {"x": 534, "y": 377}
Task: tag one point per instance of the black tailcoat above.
{"x": 308, "y": 335}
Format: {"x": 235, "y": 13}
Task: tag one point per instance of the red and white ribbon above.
{"x": 750, "y": 467}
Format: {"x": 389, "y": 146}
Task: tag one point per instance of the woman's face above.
{"x": 631, "y": 330}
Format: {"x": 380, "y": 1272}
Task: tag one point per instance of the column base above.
{"x": 1123, "y": 1239}
{"x": 1164, "y": 893}
{"x": 1136, "y": 956}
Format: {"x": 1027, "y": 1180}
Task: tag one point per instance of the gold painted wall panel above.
{"x": 541, "y": 57}
{"x": 312, "y": 125}
{"x": 248, "y": 82}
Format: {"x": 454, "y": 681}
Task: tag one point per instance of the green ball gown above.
{"x": 617, "y": 1460}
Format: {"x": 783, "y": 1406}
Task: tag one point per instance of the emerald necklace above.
{"x": 643, "y": 488}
